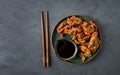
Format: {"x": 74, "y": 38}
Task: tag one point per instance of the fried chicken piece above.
{"x": 70, "y": 20}
{"x": 77, "y": 21}
{"x": 89, "y": 28}
{"x": 80, "y": 35}
{"x": 60, "y": 26}
{"x": 84, "y": 24}
{"x": 67, "y": 29}
{"x": 94, "y": 42}
{"x": 85, "y": 38}
{"x": 74, "y": 21}
{"x": 93, "y": 25}
{"x": 75, "y": 38}
{"x": 82, "y": 57}
{"x": 85, "y": 52}
{"x": 84, "y": 48}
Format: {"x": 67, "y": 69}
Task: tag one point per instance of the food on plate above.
{"x": 84, "y": 34}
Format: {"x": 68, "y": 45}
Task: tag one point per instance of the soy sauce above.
{"x": 65, "y": 48}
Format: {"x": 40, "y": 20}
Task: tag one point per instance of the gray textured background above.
{"x": 20, "y": 36}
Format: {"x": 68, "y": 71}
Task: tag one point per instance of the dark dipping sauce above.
{"x": 65, "y": 48}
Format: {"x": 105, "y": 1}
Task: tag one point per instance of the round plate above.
{"x": 56, "y": 36}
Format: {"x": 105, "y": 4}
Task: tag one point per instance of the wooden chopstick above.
{"x": 43, "y": 39}
{"x": 47, "y": 40}
{"x": 45, "y": 46}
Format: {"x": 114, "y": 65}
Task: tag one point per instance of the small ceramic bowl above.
{"x": 66, "y": 49}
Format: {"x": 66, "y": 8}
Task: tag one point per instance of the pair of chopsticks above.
{"x": 45, "y": 43}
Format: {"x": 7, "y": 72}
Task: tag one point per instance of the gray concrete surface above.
{"x": 20, "y": 36}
